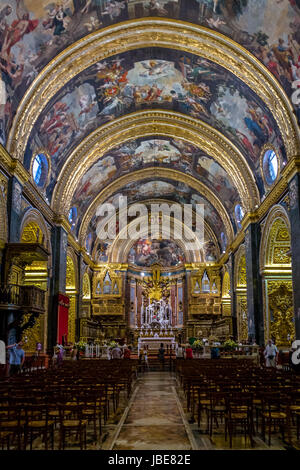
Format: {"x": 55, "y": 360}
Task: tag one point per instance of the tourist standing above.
{"x": 161, "y": 356}
{"x": 271, "y": 354}
{"x": 180, "y": 352}
{"x": 16, "y": 358}
{"x": 127, "y": 353}
{"x": 188, "y": 352}
{"x": 145, "y": 359}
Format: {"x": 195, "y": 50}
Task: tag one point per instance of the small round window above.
{"x": 40, "y": 169}
{"x": 239, "y": 214}
{"x": 270, "y": 166}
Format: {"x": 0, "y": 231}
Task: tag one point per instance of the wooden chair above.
{"x": 72, "y": 425}
{"x": 38, "y": 424}
{"x": 273, "y": 415}
{"x": 239, "y": 413}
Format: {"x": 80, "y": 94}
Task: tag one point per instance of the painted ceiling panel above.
{"x": 32, "y": 33}
{"x": 149, "y": 152}
{"x": 154, "y": 78}
{"x": 160, "y": 189}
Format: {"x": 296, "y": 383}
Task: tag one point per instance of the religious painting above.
{"x": 32, "y": 33}
{"x": 170, "y": 191}
{"x": 147, "y": 252}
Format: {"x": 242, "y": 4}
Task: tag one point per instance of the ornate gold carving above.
{"x": 72, "y": 320}
{"x": 32, "y": 234}
{"x": 70, "y": 275}
{"x": 242, "y": 318}
{"x": 86, "y": 287}
{"x": 143, "y": 32}
{"x": 242, "y": 275}
{"x": 157, "y": 287}
{"x": 33, "y": 335}
{"x": 280, "y": 295}
{"x": 280, "y": 255}
{"x": 275, "y": 234}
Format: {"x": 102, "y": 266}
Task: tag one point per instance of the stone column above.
{"x": 254, "y": 284}
{"x": 294, "y": 193}
{"x": 14, "y": 209}
{"x": 59, "y": 240}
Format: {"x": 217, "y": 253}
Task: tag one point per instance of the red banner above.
{"x": 62, "y": 321}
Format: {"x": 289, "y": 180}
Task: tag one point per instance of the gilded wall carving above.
{"x": 281, "y": 313}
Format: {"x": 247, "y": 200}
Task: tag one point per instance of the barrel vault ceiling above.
{"x": 167, "y": 99}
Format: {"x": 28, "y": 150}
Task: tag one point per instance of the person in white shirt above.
{"x": 180, "y": 352}
{"x": 271, "y": 353}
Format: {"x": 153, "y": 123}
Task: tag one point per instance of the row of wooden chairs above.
{"x": 241, "y": 397}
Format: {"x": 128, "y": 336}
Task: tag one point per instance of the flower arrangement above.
{"x": 80, "y": 345}
{"x": 112, "y": 344}
{"x": 230, "y": 345}
{"x": 197, "y": 345}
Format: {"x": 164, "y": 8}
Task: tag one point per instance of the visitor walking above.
{"x": 271, "y": 354}
{"x": 16, "y": 358}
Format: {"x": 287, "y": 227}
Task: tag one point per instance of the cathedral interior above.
{"x": 185, "y": 102}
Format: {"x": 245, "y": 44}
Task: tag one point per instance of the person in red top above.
{"x": 189, "y": 352}
{"x": 127, "y": 353}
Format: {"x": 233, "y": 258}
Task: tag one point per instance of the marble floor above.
{"x": 154, "y": 419}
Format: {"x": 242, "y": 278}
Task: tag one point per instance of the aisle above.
{"x": 154, "y": 418}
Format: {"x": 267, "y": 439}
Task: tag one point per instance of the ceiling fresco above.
{"x": 150, "y": 152}
{"x": 159, "y": 189}
{"x": 145, "y": 252}
{"x": 154, "y": 78}
{"x": 32, "y": 33}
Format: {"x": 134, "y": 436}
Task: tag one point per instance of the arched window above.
{"x": 239, "y": 215}
{"x": 40, "y": 169}
{"x": 270, "y": 166}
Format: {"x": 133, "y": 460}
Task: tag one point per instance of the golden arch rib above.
{"x": 152, "y": 32}
{"x": 149, "y": 123}
{"x": 154, "y": 173}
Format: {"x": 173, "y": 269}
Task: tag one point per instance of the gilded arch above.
{"x": 275, "y": 239}
{"x": 275, "y": 267}
{"x": 33, "y": 218}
